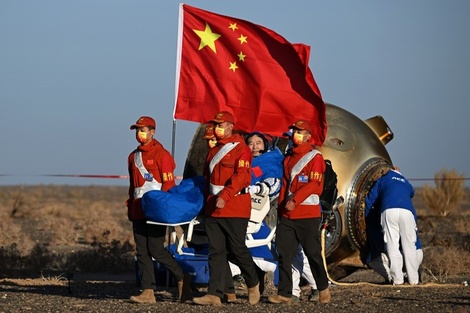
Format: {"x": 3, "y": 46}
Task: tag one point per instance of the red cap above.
{"x": 302, "y": 125}
{"x": 222, "y": 117}
{"x": 144, "y": 121}
{"x": 209, "y": 134}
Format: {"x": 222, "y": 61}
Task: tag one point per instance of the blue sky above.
{"x": 74, "y": 75}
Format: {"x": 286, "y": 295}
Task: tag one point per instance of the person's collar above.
{"x": 148, "y": 146}
{"x": 301, "y": 149}
{"x": 231, "y": 138}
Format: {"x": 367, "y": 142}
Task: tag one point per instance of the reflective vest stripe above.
{"x": 221, "y": 153}
{"x": 216, "y": 189}
{"x": 313, "y": 199}
{"x": 148, "y": 185}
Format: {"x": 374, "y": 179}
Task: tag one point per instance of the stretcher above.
{"x": 260, "y": 208}
{"x": 195, "y": 261}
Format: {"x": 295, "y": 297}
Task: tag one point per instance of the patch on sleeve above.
{"x": 315, "y": 176}
{"x": 257, "y": 171}
{"x": 168, "y": 176}
{"x": 302, "y": 178}
{"x": 243, "y": 163}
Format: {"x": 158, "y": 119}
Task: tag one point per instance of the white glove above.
{"x": 263, "y": 189}
{"x": 254, "y": 189}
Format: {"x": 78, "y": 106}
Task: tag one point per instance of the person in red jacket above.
{"x": 151, "y": 167}
{"x": 210, "y": 136}
{"x": 299, "y": 213}
{"x": 228, "y": 207}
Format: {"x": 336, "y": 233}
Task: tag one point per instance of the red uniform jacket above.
{"x": 158, "y": 162}
{"x": 309, "y": 181}
{"x": 234, "y": 173}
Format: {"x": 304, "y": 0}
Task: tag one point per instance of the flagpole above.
{"x": 173, "y": 139}
{"x": 173, "y": 133}
{"x": 177, "y": 76}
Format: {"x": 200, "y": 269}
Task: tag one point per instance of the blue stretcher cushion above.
{"x": 178, "y": 205}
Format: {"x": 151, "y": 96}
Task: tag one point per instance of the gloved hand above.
{"x": 254, "y": 189}
{"x": 263, "y": 189}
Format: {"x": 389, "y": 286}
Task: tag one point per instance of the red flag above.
{"x": 225, "y": 63}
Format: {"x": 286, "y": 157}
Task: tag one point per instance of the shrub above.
{"x": 442, "y": 263}
{"x": 106, "y": 255}
{"x": 111, "y": 256}
{"x": 12, "y": 261}
{"x": 448, "y": 194}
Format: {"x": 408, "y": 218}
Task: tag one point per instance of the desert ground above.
{"x": 70, "y": 249}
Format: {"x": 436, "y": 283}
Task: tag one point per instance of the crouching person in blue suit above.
{"x": 391, "y": 194}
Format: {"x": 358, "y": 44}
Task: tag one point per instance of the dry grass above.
{"x": 64, "y": 228}
{"x": 12, "y": 233}
{"x": 46, "y": 231}
{"x": 444, "y": 219}
{"x": 440, "y": 263}
{"x": 448, "y": 194}
{"x": 67, "y": 215}
{"x": 462, "y": 225}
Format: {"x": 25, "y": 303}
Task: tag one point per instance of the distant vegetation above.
{"x": 54, "y": 230}
{"x": 446, "y": 198}
{"x": 64, "y": 229}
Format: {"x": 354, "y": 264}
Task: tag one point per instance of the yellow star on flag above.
{"x": 233, "y": 66}
{"x": 233, "y": 26}
{"x": 241, "y": 56}
{"x": 208, "y": 38}
{"x": 243, "y": 39}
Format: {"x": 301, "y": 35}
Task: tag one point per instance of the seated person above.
{"x": 265, "y": 180}
{"x": 266, "y": 166}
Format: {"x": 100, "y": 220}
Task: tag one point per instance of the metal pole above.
{"x": 173, "y": 138}
{"x": 169, "y": 228}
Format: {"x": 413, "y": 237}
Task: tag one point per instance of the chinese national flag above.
{"x": 229, "y": 64}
